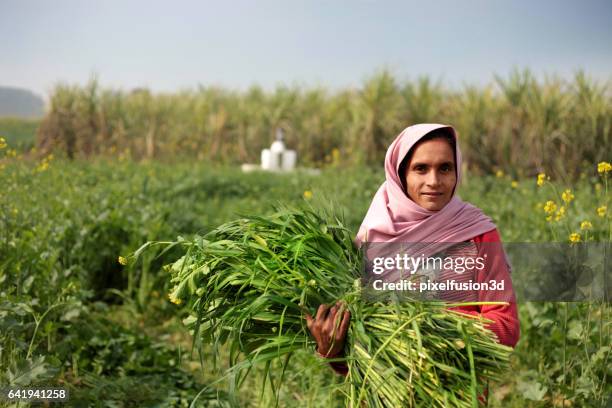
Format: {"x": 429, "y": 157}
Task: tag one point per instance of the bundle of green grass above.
{"x": 250, "y": 282}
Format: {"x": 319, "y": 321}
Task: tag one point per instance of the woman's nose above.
{"x": 432, "y": 178}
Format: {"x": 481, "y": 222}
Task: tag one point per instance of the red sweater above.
{"x": 505, "y": 317}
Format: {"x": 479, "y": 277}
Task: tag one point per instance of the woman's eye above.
{"x": 446, "y": 169}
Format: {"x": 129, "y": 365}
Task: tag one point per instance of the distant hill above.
{"x": 21, "y": 103}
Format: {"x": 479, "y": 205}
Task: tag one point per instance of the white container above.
{"x": 265, "y": 159}
{"x": 250, "y": 167}
{"x": 274, "y": 162}
{"x": 277, "y": 146}
{"x": 289, "y": 158}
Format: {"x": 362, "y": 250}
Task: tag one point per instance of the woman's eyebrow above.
{"x": 415, "y": 164}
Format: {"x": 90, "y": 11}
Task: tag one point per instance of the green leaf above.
{"x": 532, "y": 390}
{"x": 28, "y": 372}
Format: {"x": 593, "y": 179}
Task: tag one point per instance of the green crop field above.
{"x": 19, "y": 133}
{"x": 71, "y": 314}
{"x": 107, "y": 171}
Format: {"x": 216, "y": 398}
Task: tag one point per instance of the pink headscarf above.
{"x": 393, "y": 217}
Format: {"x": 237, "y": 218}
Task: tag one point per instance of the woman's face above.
{"x": 430, "y": 174}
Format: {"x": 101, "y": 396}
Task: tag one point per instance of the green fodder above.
{"x": 249, "y": 283}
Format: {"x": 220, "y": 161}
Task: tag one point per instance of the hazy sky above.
{"x": 180, "y": 44}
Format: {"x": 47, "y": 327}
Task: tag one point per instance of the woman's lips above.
{"x": 432, "y": 195}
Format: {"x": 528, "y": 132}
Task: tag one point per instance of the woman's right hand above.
{"x": 330, "y": 342}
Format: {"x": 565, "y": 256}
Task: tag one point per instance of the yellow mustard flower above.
{"x": 550, "y": 207}
{"x": 560, "y": 213}
{"x": 499, "y": 174}
{"x": 514, "y": 184}
{"x": 122, "y": 260}
{"x": 307, "y": 194}
{"x": 549, "y": 218}
{"x": 174, "y": 299}
{"x": 44, "y": 165}
{"x": 604, "y": 167}
{"x": 567, "y": 196}
{"x": 574, "y": 237}
{"x": 2, "y": 143}
{"x": 335, "y": 155}
{"x": 541, "y": 179}
{"x": 601, "y": 211}
{"x": 586, "y": 225}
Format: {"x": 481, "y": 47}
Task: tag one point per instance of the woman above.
{"x": 417, "y": 203}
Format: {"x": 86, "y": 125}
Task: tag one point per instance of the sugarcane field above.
{"x": 401, "y": 241}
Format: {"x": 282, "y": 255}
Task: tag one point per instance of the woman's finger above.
{"x": 322, "y": 312}
{"x": 308, "y": 320}
{"x": 331, "y": 319}
{"x": 332, "y": 313}
{"x": 346, "y": 319}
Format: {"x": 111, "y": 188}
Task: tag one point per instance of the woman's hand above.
{"x": 330, "y": 340}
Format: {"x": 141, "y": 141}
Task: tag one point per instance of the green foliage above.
{"x": 250, "y": 282}
{"x": 20, "y": 134}
{"x": 564, "y": 123}
{"x": 62, "y": 227}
